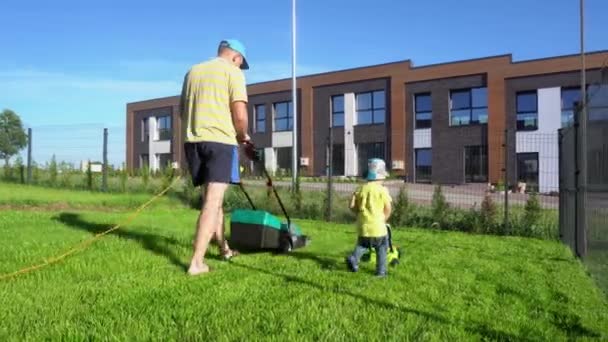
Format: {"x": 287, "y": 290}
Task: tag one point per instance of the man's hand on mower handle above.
{"x": 250, "y": 151}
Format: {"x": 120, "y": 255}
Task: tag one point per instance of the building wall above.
{"x": 448, "y": 142}
{"x": 351, "y": 134}
{"x": 543, "y": 140}
{"x": 501, "y": 74}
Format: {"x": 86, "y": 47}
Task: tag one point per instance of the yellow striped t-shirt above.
{"x": 207, "y": 92}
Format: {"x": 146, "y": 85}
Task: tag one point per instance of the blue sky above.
{"x": 77, "y": 62}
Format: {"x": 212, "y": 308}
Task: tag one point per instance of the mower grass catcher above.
{"x": 252, "y": 229}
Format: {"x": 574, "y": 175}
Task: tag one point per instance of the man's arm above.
{"x": 240, "y": 120}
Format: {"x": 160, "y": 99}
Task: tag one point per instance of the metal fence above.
{"x": 584, "y": 186}
{"x": 70, "y": 150}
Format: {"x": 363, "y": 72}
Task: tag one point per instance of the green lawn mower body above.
{"x": 252, "y": 229}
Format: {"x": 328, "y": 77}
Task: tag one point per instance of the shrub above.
{"x": 400, "y": 213}
{"x": 440, "y": 207}
{"x": 35, "y": 173}
{"x": 532, "y": 215}
{"x": 124, "y": 178}
{"x": 53, "y": 171}
{"x": 18, "y": 168}
{"x": 145, "y": 176}
{"x": 488, "y": 216}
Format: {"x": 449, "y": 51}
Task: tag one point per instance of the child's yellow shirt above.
{"x": 370, "y": 200}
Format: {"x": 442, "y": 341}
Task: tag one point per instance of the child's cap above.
{"x": 376, "y": 169}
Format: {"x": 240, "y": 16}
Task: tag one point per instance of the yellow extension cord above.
{"x": 87, "y": 242}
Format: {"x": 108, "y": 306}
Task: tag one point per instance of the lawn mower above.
{"x": 252, "y": 229}
{"x": 393, "y": 254}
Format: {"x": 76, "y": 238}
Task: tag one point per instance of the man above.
{"x": 214, "y": 115}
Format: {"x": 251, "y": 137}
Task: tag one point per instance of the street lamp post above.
{"x": 294, "y": 98}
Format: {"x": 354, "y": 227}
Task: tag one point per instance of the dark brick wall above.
{"x": 447, "y": 142}
{"x": 362, "y": 133}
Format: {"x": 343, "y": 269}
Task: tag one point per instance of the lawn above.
{"x": 131, "y": 285}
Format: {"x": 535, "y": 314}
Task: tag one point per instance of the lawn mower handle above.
{"x": 251, "y": 154}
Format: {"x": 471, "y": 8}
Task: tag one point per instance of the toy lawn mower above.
{"x": 252, "y": 229}
{"x": 393, "y": 254}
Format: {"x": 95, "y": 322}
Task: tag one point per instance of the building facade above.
{"x": 442, "y": 123}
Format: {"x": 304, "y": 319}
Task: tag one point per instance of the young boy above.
{"x": 372, "y": 203}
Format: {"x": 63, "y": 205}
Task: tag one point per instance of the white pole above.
{"x": 294, "y": 99}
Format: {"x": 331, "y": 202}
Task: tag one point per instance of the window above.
{"x": 283, "y": 116}
{"x": 597, "y": 96}
{"x": 424, "y": 158}
{"x": 570, "y": 96}
{"x": 476, "y": 164}
{"x": 527, "y": 111}
{"x": 371, "y": 108}
{"x": 164, "y": 160}
{"x": 144, "y": 160}
{"x": 367, "y": 151}
{"x": 163, "y": 128}
{"x": 469, "y": 106}
{"x": 422, "y": 110}
{"x": 145, "y": 130}
{"x": 337, "y": 111}
{"x": 260, "y": 118}
{"x": 338, "y": 160}
{"x": 527, "y": 170}
{"x": 284, "y": 158}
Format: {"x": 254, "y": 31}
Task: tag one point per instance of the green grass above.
{"x": 131, "y": 285}
{"x": 16, "y": 196}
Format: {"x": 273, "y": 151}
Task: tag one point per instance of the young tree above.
{"x": 12, "y": 137}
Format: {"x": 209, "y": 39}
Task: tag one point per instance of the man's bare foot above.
{"x": 197, "y": 268}
{"x": 229, "y": 254}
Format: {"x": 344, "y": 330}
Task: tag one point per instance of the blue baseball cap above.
{"x": 239, "y": 47}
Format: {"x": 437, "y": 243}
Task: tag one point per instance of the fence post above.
{"x": 329, "y": 174}
{"x": 506, "y": 173}
{"x": 104, "y": 182}
{"x": 29, "y": 156}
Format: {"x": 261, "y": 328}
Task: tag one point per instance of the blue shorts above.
{"x": 211, "y": 162}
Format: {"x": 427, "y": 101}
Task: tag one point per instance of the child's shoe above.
{"x": 352, "y": 266}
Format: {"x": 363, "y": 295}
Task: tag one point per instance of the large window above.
{"x": 424, "y": 168}
{"x": 284, "y": 159}
{"x": 570, "y": 96}
{"x": 527, "y": 170}
{"x": 338, "y": 160}
{"x": 337, "y": 111}
{"x": 476, "y": 164}
{"x": 163, "y": 128}
{"x": 368, "y": 151}
{"x": 469, "y": 106}
{"x": 371, "y": 108}
{"x": 598, "y": 102}
{"x": 527, "y": 111}
{"x": 283, "y": 116}
{"x": 260, "y": 118}
{"x": 144, "y": 160}
{"x": 145, "y": 129}
{"x": 164, "y": 160}
{"x": 423, "y": 110}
